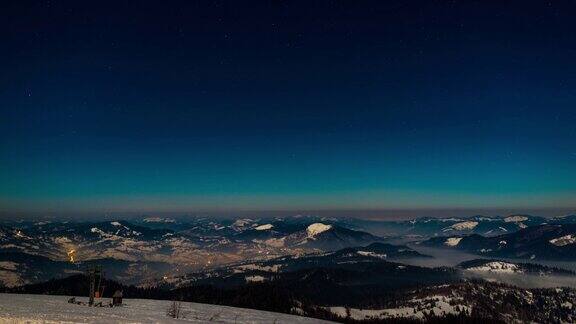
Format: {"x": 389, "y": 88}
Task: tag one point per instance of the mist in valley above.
{"x": 451, "y": 258}
{"x": 524, "y": 280}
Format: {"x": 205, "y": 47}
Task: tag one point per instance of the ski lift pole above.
{"x": 91, "y": 277}
{"x": 94, "y": 272}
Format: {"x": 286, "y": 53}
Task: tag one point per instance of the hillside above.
{"x": 38, "y": 308}
{"x": 542, "y": 242}
{"x": 138, "y": 251}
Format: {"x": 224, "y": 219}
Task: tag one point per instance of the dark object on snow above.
{"x": 74, "y": 301}
{"x": 175, "y": 310}
{"x": 95, "y": 275}
{"x": 117, "y": 298}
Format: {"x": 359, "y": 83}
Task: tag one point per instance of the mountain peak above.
{"x": 264, "y": 227}
{"x": 317, "y": 228}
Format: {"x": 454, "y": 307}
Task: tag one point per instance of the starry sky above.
{"x": 186, "y": 106}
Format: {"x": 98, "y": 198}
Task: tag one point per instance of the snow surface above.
{"x": 16, "y": 308}
{"x": 255, "y": 279}
{"x": 464, "y": 226}
{"x": 453, "y": 241}
{"x": 264, "y": 227}
{"x": 515, "y": 219}
{"x": 564, "y": 240}
{"x": 246, "y": 267}
{"x": 317, "y": 228}
{"x": 97, "y": 230}
{"x": 159, "y": 220}
{"x": 372, "y": 254}
{"x": 498, "y": 266}
{"x": 418, "y": 309}
{"x": 239, "y": 223}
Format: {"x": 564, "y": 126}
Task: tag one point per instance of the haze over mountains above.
{"x": 153, "y": 247}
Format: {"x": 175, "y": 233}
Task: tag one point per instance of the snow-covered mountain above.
{"x": 154, "y": 246}
{"x": 374, "y": 281}
{"x": 472, "y": 302}
{"x": 543, "y": 242}
{"x": 507, "y": 267}
{"x": 328, "y": 237}
{"x": 141, "y": 250}
{"x": 482, "y": 225}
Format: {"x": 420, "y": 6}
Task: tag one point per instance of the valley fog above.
{"x": 440, "y": 257}
{"x": 525, "y": 280}
{"x": 451, "y": 258}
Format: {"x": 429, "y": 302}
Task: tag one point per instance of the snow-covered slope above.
{"x": 452, "y": 241}
{"x": 138, "y": 251}
{"x": 484, "y": 301}
{"x": 415, "y": 309}
{"x": 543, "y": 242}
{"x": 488, "y": 226}
{"x": 564, "y": 240}
{"x": 42, "y": 308}
{"x": 498, "y": 267}
{"x": 326, "y": 237}
{"x": 264, "y": 227}
{"x": 469, "y": 225}
{"x": 317, "y": 228}
{"x": 508, "y": 267}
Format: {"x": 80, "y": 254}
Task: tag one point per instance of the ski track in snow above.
{"x": 16, "y": 308}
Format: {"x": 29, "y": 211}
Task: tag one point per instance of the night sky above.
{"x": 135, "y": 106}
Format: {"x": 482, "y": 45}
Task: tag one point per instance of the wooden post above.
{"x": 91, "y": 277}
{"x": 94, "y": 273}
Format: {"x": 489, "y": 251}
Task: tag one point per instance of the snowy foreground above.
{"x": 16, "y": 308}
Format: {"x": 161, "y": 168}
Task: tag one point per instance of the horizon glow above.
{"x": 304, "y": 108}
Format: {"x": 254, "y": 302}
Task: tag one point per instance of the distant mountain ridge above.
{"x": 424, "y": 227}
{"x": 508, "y": 267}
{"x": 542, "y": 242}
{"x": 153, "y": 247}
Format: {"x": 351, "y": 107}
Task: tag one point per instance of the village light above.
{"x": 71, "y": 255}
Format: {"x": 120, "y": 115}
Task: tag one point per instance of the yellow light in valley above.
{"x": 71, "y": 255}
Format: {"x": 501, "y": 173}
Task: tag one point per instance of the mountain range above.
{"x": 154, "y": 247}
{"x": 541, "y": 242}
{"x": 442, "y": 226}
{"x": 327, "y": 268}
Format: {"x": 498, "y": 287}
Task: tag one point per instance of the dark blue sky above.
{"x": 211, "y": 105}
